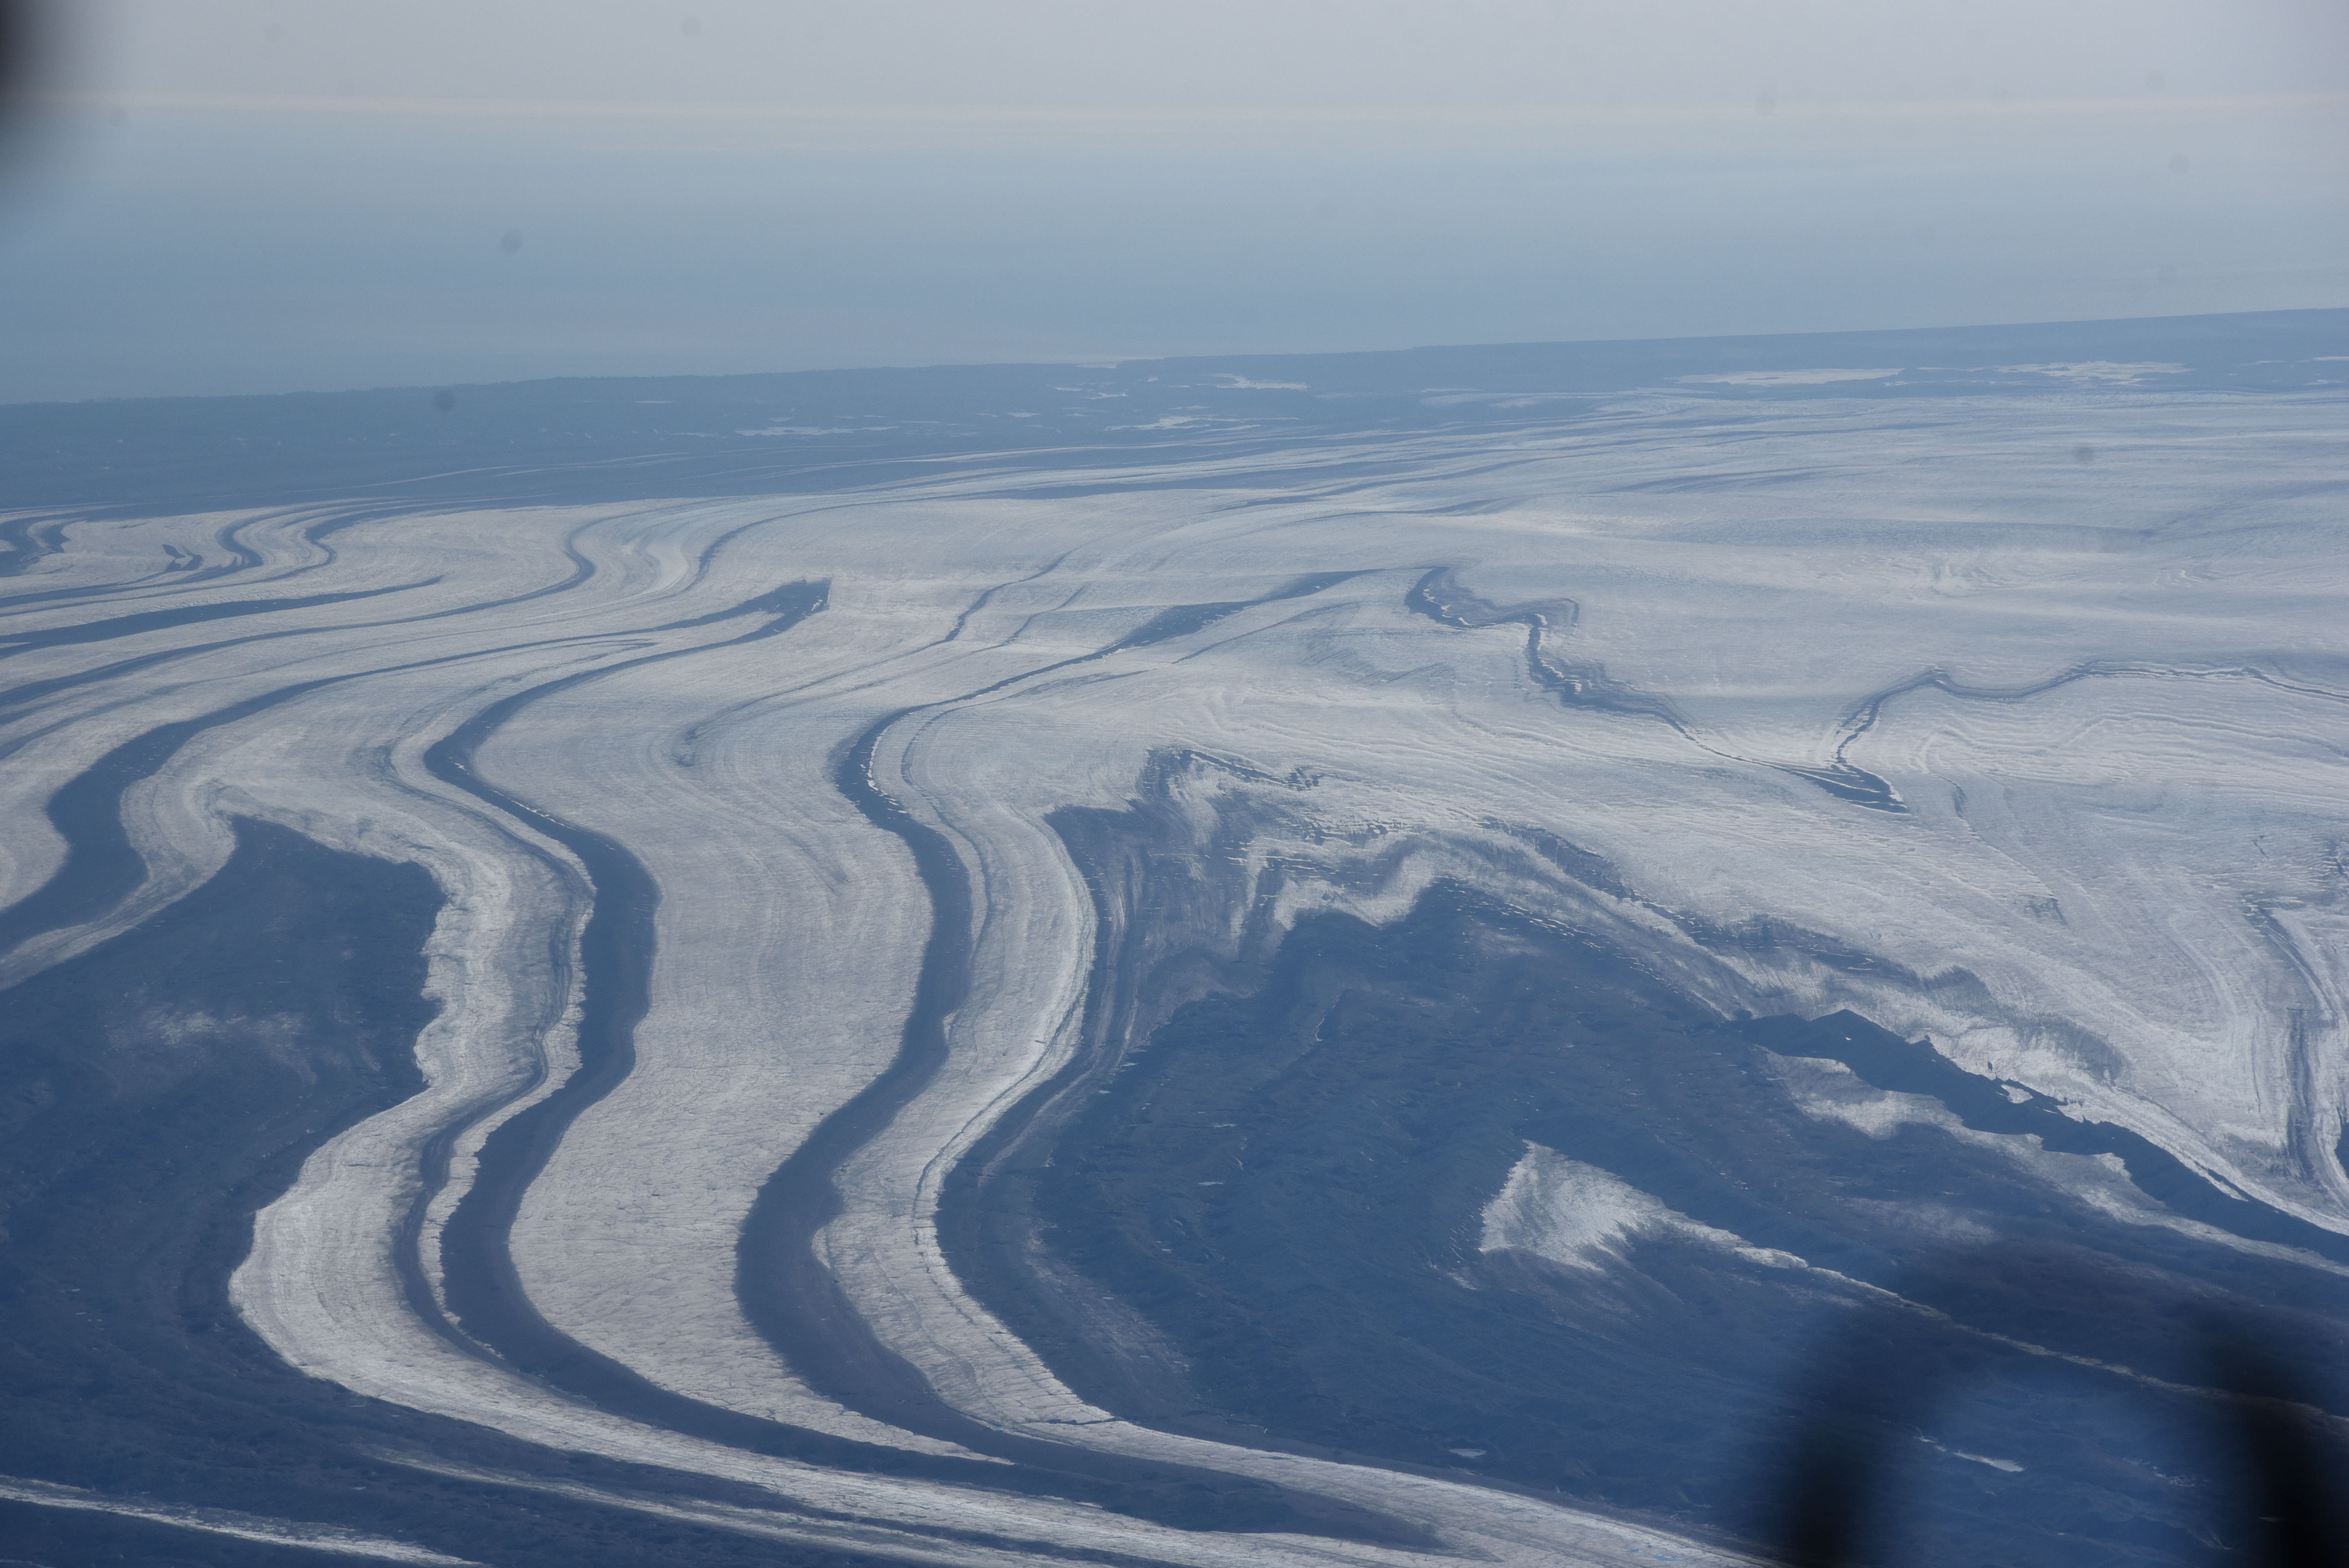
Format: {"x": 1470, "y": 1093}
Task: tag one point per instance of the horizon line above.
{"x": 1761, "y": 106}
{"x": 1117, "y": 362}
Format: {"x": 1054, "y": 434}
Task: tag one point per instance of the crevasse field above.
{"x": 1356, "y": 960}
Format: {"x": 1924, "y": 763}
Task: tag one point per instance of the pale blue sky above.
{"x": 256, "y": 197}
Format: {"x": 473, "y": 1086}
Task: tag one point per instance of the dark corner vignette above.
{"x": 2277, "y": 1503}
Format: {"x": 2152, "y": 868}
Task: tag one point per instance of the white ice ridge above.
{"x": 2110, "y": 700}
{"x": 1579, "y": 1216}
{"x": 227, "y": 1521}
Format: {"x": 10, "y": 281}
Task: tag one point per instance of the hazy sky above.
{"x": 247, "y": 195}
{"x": 1256, "y": 53}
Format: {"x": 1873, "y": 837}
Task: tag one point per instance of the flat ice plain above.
{"x": 761, "y": 739}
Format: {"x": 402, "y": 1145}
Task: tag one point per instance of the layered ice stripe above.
{"x": 785, "y": 929}
{"x": 68, "y": 705}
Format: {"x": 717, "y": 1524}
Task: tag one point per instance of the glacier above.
{"x": 824, "y": 831}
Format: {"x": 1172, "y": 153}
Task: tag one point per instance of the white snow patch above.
{"x": 2096, "y": 372}
{"x": 2009, "y": 1466}
{"x": 1581, "y": 1216}
{"x": 299, "y": 1534}
{"x": 1789, "y": 377}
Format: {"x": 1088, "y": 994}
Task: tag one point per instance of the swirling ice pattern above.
{"x": 756, "y": 917}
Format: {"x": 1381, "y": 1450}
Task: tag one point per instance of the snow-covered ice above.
{"x": 2059, "y": 747}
